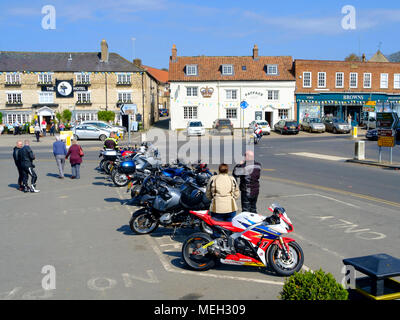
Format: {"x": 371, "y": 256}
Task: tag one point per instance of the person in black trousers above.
{"x": 26, "y": 158}
{"x": 16, "y": 156}
{"x": 248, "y": 171}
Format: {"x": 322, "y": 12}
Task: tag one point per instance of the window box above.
{"x": 45, "y": 83}
{"x": 124, "y": 83}
{"x": 84, "y": 103}
{"x": 14, "y": 104}
{"x": 12, "y": 84}
{"x": 124, "y": 101}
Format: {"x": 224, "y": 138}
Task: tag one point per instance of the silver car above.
{"x": 106, "y": 126}
{"x": 313, "y": 125}
{"x": 84, "y": 131}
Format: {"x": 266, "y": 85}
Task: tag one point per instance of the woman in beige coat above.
{"x": 223, "y": 191}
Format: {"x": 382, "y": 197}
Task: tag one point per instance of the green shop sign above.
{"x": 346, "y": 98}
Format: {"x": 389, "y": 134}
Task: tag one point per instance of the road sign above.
{"x": 388, "y": 142}
{"x": 386, "y": 133}
{"x": 386, "y": 120}
{"x": 128, "y": 109}
{"x": 368, "y": 108}
{"x": 244, "y": 105}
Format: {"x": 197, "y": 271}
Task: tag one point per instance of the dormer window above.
{"x": 272, "y": 69}
{"x": 227, "y": 69}
{"x": 191, "y": 70}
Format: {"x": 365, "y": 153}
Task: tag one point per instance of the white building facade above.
{"x": 210, "y": 88}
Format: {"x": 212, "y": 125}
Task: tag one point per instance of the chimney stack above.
{"x": 104, "y": 51}
{"x": 255, "y": 52}
{"x": 137, "y": 62}
{"x": 174, "y": 53}
{"x": 364, "y": 59}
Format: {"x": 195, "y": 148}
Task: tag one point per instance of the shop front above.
{"x": 341, "y": 105}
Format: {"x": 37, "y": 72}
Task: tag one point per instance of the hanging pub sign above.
{"x": 64, "y": 88}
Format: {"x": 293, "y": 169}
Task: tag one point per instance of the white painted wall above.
{"x": 255, "y": 93}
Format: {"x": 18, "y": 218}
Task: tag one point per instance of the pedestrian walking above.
{"x": 52, "y": 129}
{"x": 60, "y": 152}
{"x": 37, "y": 132}
{"x": 349, "y": 119}
{"x": 248, "y": 171}
{"x": 16, "y": 155}
{"x": 44, "y": 127}
{"x": 75, "y": 154}
{"x": 26, "y": 157}
{"x": 223, "y": 191}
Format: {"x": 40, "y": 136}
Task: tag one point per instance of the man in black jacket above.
{"x": 16, "y": 155}
{"x": 249, "y": 172}
{"x": 26, "y": 158}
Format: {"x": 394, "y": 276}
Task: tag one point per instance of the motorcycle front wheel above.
{"x": 198, "y": 262}
{"x": 286, "y": 266}
{"x": 143, "y": 222}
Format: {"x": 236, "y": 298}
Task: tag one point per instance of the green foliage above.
{"x": 1, "y": 117}
{"x": 106, "y": 116}
{"x": 67, "y": 115}
{"x": 316, "y": 285}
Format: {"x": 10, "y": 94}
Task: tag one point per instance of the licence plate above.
{"x": 129, "y": 185}
{"x": 292, "y": 127}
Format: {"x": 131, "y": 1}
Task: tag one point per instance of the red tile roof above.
{"x": 160, "y": 75}
{"x": 209, "y": 68}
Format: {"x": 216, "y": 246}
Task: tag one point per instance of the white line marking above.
{"x": 319, "y": 156}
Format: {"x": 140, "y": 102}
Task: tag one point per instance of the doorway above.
{"x": 269, "y": 117}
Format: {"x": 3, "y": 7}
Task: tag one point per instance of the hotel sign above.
{"x": 64, "y": 88}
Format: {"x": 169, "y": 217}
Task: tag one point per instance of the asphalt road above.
{"x": 339, "y": 210}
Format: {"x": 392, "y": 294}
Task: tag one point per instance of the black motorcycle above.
{"x": 167, "y": 201}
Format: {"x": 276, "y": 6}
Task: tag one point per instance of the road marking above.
{"x": 319, "y": 156}
{"x": 328, "y": 189}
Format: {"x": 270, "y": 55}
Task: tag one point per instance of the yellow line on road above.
{"x": 328, "y": 189}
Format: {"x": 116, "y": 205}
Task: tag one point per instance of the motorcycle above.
{"x": 249, "y": 240}
{"x": 167, "y": 201}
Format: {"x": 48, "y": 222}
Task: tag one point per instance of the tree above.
{"x": 67, "y": 115}
{"x": 106, "y": 116}
{"x": 352, "y": 57}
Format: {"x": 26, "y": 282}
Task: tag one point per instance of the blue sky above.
{"x": 301, "y": 29}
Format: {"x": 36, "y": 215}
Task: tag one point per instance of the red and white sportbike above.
{"x": 250, "y": 240}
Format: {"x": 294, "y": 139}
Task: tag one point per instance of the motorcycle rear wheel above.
{"x": 283, "y": 266}
{"x": 143, "y": 222}
{"x": 119, "y": 179}
{"x": 193, "y": 261}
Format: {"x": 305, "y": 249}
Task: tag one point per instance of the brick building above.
{"x": 341, "y": 88}
{"x": 41, "y": 84}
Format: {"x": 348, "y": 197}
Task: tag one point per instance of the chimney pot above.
{"x": 137, "y": 62}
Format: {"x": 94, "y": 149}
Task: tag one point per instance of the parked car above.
{"x": 287, "y": 126}
{"x": 372, "y": 134}
{"x": 84, "y": 131}
{"x": 163, "y": 112}
{"x": 106, "y": 126}
{"x": 195, "y": 128}
{"x": 313, "y": 125}
{"x": 266, "y": 129}
{"x": 336, "y": 125}
{"x": 223, "y": 124}
{"x": 370, "y": 124}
